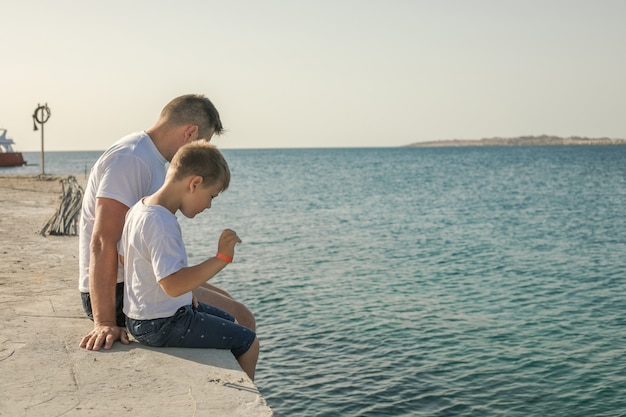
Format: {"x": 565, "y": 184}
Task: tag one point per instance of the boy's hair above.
{"x": 203, "y": 159}
{"x": 194, "y": 109}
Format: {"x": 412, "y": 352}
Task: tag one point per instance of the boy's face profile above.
{"x": 199, "y": 196}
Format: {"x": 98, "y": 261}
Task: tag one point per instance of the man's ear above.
{"x": 191, "y": 133}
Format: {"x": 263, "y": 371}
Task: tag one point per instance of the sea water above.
{"x": 484, "y": 281}
{"x": 77, "y": 163}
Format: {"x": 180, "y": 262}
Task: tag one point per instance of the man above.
{"x": 130, "y": 169}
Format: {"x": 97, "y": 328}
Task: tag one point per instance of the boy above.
{"x": 158, "y": 301}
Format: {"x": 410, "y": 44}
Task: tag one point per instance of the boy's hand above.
{"x": 227, "y": 242}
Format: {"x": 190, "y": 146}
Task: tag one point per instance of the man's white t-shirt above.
{"x": 153, "y": 249}
{"x": 130, "y": 169}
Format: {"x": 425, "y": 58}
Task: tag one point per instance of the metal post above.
{"x": 43, "y": 159}
{"x": 41, "y": 116}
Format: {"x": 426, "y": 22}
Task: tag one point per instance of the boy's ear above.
{"x": 196, "y": 181}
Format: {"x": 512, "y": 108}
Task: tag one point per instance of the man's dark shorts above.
{"x": 119, "y": 303}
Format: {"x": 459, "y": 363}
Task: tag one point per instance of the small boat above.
{"x": 8, "y": 157}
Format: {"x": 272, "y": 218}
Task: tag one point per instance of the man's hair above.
{"x": 203, "y": 159}
{"x": 194, "y": 109}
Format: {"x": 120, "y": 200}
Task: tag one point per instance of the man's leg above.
{"x": 119, "y": 304}
{"x": 217, "y": 297}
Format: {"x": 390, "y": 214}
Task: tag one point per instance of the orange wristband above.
{"x": 223, "y": 257}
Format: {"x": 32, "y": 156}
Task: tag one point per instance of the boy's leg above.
{"x": 203, "y": 327}
{"x": 248, "y": 360}
{"x": 211, "y": 295}
{"x": 210, "y": 327}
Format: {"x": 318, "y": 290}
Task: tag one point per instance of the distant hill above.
{"x": 543, "y": 140}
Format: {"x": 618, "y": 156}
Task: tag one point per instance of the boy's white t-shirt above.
{"x": 130, "y": 169}
{"x": 153, "y": 248}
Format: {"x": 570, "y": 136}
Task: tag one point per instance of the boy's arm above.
{"x": 189, "y": 278}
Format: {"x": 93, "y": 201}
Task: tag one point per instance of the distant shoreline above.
{"x": 543, "y": 140}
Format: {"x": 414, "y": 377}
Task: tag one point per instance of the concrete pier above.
{"x": 45, "y": 373}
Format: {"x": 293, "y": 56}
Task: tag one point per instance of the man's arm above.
{"x": 103, "y": 261}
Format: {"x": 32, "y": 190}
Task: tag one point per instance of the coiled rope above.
{"x": 65, "y": 220}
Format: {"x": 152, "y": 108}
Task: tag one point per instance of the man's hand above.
{"x": 104, "y": 335}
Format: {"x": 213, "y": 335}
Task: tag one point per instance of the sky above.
{"x": 314, "y": 73}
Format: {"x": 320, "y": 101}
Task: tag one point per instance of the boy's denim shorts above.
{"x": 202, "y": 327}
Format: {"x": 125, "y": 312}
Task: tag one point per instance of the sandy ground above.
{"x": 45, "y": 373}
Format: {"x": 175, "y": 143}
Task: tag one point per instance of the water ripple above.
{"x": 467, "y": 282}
